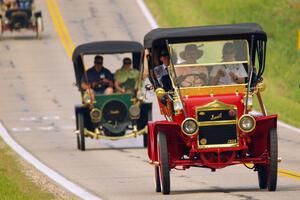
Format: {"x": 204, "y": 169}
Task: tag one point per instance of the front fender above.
{"x": 172, "y": 130}
{"x": 260, "y": 138}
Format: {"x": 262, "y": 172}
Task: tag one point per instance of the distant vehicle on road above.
{"x": 205, "y": 90}
{"x": 20, "y": 14}
{"x": 110, "y": 116}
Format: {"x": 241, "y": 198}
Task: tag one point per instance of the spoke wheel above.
{"x": 157, "y": 179}
{"x": 81, "y": 132}
{"x": 164, "y": 170}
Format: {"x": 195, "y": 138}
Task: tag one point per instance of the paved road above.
{"x": 37, "y": 99}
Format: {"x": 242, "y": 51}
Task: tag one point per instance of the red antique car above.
{"x": 205, "y": 79}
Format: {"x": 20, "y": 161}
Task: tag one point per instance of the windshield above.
{"x": 210, "y": 63}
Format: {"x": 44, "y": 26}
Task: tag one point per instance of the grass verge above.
{"x": 280, "y": 19}
{"x": 14, "y": 184}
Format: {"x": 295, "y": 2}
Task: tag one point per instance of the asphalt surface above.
{"x": 37, "y": 102}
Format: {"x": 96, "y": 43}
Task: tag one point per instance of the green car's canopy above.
{"x": 105, "y": 47}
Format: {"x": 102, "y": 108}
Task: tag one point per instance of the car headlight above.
{"x": 134, "y": 111}
{"x": 189, "y": 126}
{"x": 96, "y": 115}
{"x": 177, "y": 105}
{"x": 87, "y": 99}
{"x": 247, "y": 123}
{"x": 140, "y": 95}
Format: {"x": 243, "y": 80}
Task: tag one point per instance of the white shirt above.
{"x": 160, "y": 71}
{"x": 237, "y": 69}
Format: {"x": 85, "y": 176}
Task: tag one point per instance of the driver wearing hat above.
{"x": 190, "y": 55}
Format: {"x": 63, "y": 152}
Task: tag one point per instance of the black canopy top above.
{"x": 105, "y": 47}
{"x": 216, "y": 32}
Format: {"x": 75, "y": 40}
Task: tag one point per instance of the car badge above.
{"x": 232, "y": 113}
{"x": 114, "y": 112}
{"x": 203, "y": 141}
{"x": 214, "y": 117}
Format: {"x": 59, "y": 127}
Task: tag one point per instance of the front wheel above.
{"x": 267, "y": 174}
{"x": 157, "y": 179}
{"x": 81, "y": 132}
{"x": 163, "y": 156}
{"x": 273, "y": 168}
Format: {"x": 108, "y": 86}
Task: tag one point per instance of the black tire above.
{"x": 164, "y": 171}
{"x": 262, "y": 176}
{"x": 267, "y": 174}
{"x": 81, "y": 131}
{"x": 273, "y": 168}
{"x": 77, "y": 134}
{"x": 157, "y": 179}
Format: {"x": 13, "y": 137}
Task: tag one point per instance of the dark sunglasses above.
{"x": 127, "y": 63}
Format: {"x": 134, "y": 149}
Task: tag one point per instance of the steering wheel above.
{"x": 192, "y": 80}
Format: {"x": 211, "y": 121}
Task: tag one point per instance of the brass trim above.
{"x": 212, "y": 106}
{"x": 254, "y": 124}
{"x": 215, "y": 105}
{"x": 211, "y": 123}
{"x": 195, "y": 132}
{"x": 216, "y": 145}
{"x": 99, "y": 135}
{"x": 212, "y": 90}
{"x": 96, "y": 120}
{"x": 209, "y": 64}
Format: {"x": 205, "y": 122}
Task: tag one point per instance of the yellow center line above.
{"x": 60, "y": 27}
{"x": 288, "y": 173}
{"x": 69, "y": 46}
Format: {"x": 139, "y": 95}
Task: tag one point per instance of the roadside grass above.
{"x": 14, "y": 184}
{"x": 280, "y": 19}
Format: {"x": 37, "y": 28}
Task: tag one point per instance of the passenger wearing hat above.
{"x": 98, "y": 78}
{"x": 190, "y": 55}
{"x": 228, "y": 74}
{"x": 162, "y": 71}
{"x": 126, "y": 77}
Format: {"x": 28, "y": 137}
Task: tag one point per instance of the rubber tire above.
{"x": 267, "y": 175}
{"x": 273, "y": 168}
{"x": 163, "y": 156}
{"x": 262, "y": 176}
{"x": 81, "y": 131}
{"x": 39, "y": 27}
{"x": 157, "y": 179}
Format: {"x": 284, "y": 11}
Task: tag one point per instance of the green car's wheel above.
{"x": 267, "y": 174}
{"x": 273, "y": 167}
{"x": 81, "y": 131}
{"x": 77, "y": 134}
{"x": 164, "y": 170}
{"x": 157, "y": 179}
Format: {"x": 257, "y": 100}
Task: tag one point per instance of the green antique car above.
{"x": 110, "y": 116}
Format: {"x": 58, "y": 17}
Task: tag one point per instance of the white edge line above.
{"x": 154, "y": 24}
{"x": 67, "y": 184}
{"x": 147, "y": 13}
